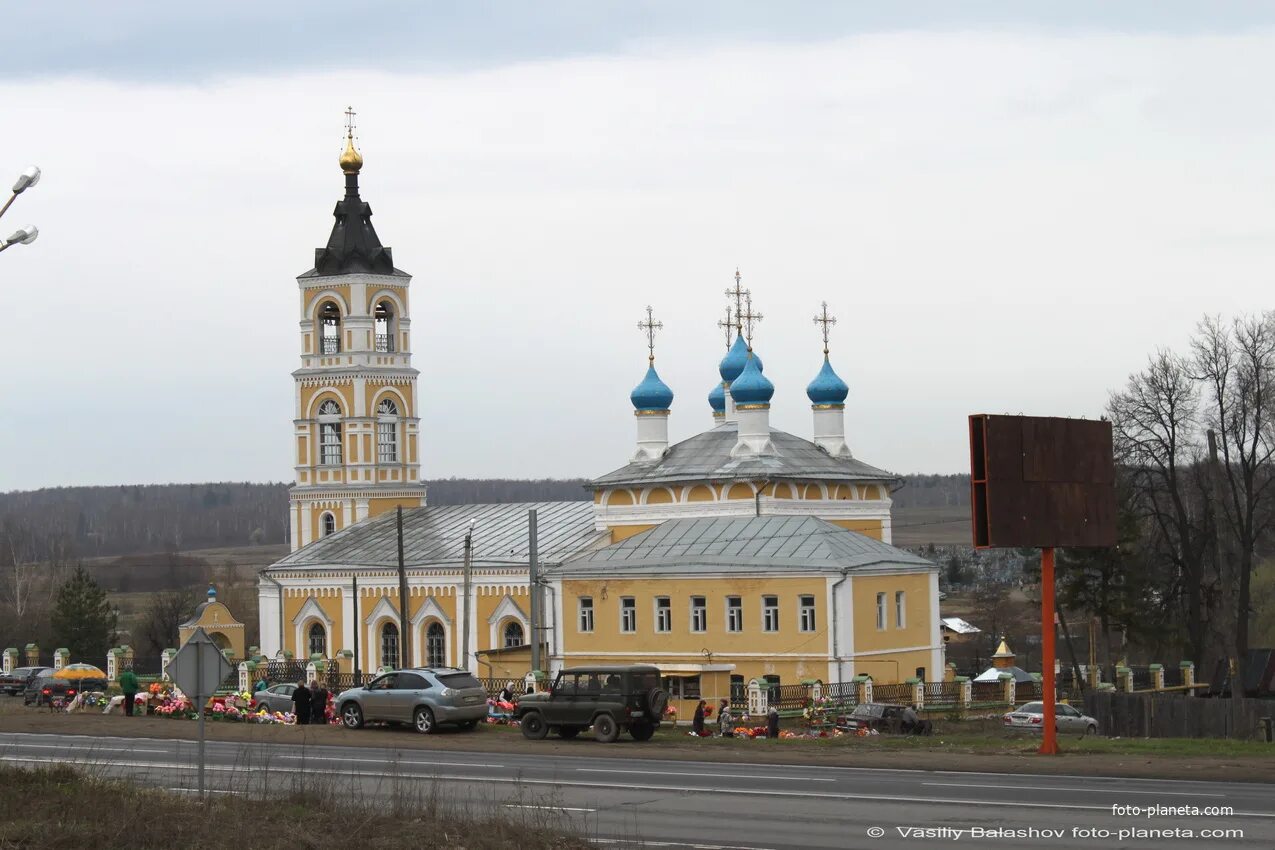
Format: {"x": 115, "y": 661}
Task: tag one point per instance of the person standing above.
{"x": 318, "y": 703}
{"x": 724, "y": 720}
{"x": 129, "y": 686}
{"x": 301, "y": 703}
{"x": 697, "y": 722}
{"x": 772, "y": 723}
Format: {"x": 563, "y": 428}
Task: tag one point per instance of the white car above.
{"x": 1030, "y": 717}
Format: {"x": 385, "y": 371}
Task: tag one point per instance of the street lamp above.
{"x": 25, "y": 235}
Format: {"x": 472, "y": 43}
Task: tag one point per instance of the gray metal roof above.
{"x": 436, "y": 535}
{"x": 706, "y": 456}
{"x": 764, "y": 544}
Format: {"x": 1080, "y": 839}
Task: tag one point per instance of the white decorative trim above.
{"x": 505, "y": 610}
{"x": 311, "y": 610}
{"x": 429, "y": 610}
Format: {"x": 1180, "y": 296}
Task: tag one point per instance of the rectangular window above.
{"x": 330, "y": 443}
{"x": 682, "y": 687}
{"x": 663, "y": 614}
{"x": 734, "y": 614}
{"x": 880, "y": 612}
{"x": 807, "y": 613}
{"x": 628, "y": 614}
{"x": 770, "y": 613}
{"x": 586, "y": 613}
{"x": 386, "y": 442}
{"x": 699, "y": 614}
{"x": 900, "y": 621}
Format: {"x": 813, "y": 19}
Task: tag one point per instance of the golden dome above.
{"x": 351, "y": 160}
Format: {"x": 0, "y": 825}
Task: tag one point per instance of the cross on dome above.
{"x": 351, "y": 160}
{"x": 727, "y": 324}
{"x": 649, "y": 327}
{"x": 739, "y": 294}
{"x": 822, "y": 318}
{"x": 748, "y": 318}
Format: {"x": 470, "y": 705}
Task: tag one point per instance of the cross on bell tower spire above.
{"x": 727, "y": 324}
{"x": 822, "y": 318}
{"x": 748, "y": 318}
{"x": 739, "y": 294}
{"x": 649, "y": 327}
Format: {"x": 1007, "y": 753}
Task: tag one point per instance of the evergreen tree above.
{"x": 83, "y": 620}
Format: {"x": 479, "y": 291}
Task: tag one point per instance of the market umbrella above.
{"x": 80, "y": 671}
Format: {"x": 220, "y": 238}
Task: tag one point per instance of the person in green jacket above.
{"x": 128, "y": 684}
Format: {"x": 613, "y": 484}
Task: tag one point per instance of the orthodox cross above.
{"x": 727, "y": 324}
{"x": 349, "y": 122}
{"x": 738, "y": 293}
{"x": 649, "y": 327}
{"x": 748, "y": 318}
{"x": 822, "y": 318}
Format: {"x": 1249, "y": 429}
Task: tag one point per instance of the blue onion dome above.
{"x": 733, "y": 363}
{"x": 827, "y": 387}
{"x": 752, "y": 387}
{"x": 652, "y": 394}
{"x": 717, "y": 398}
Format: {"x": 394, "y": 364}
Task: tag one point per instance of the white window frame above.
{"x": 387, "y": 431}
{"x": 628, "y": 615}
{"x": 881, "y": 617}
{"x": 326, "y": 519}
{"x": 900, "y": 609}
{"x": 808, "y": 620}
{"x": 734, "y": 614}
{"x": 663, "y": 614}
{"x": 584, "y": 608}
{"x": 699, "y": 614}
{"x": 770, "y": 613}
{"x": 331, "y": 450}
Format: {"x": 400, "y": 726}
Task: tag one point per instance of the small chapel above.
{"x": 743, "y": 552}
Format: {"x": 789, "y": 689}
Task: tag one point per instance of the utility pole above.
{"x": 534, "y": 581}
{"x": 1235, "y": 667}
{"x": 357, "y": 678}
{"x": 404, "y": 642}
{"x": 468, "y": 580}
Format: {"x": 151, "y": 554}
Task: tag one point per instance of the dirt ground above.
{"x": 979, "y": 751}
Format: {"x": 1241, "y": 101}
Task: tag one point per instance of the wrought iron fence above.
{"x": 988, "y": 692}
{"x": 900, "y": 692}
{"x": 493, "y": 686}
{"x": 788, "y": 696}
{"x": 147, "y": 665}
{"x": 283, "y": 671}
{"x": 338, "y": 682}
{"x": 942, "y": 693}
{"x": 329, "y": 345}
{"x": 1173, "y": 677}
{"x": 842, "y": 694}
{"x": 384, "y": 342}
{"x": 1142, "y": 679}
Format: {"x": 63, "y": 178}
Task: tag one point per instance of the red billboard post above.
{"x": 1042, "y": 482}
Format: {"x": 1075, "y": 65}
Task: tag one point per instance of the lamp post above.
{"x": 23, "y": 235}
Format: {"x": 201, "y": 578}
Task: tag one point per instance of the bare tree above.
{"x": 1236, "y": 364}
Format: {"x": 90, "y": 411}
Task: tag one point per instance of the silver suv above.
{"x": 421, "y": 696}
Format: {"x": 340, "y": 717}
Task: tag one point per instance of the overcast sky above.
{"x": 1007, "y": 210}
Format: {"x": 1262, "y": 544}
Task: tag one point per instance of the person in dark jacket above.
{"x": 301, "y": 703}
{"x": 318, "y": 703}
{"x": 697, "y": 722}
{"x": 772, "y": 723}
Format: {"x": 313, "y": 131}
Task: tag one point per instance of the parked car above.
{"x": 16, "y": 681}
{"x": 421, "y": 696}
{"x": 1030, "y": 717}
{"x": 885, "y": 717}
{"x": 44, "y": 690}
{"x": 277, "y": 697}
{"x": 609, "y": 699}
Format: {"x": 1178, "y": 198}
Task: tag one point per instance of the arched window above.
{"x": 329, "y": 524}
{"x": 384, "y": 315}
{"x": 389, "y": 645}
{"x": 318, "y": 639}
{"x": 513, "y": 634}
{"x": 329, "y": 328}
{"x": 387, "y": 431}
{"x": 330, "y": 433}
{"x": 436, "y": 645}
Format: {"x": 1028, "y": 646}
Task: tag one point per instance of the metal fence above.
{"x": 842, "y": 694}
{"x": 988, "y": 692}
{"x": 1142, "y": 679}
{"x": 338, "y": 682}
{"x": 896, "y": 693}
{"x": 1173, "y": 677}
{"x": 941, "y": 693}
{"x": 147, "y": 665}
{"x": 786, "y": 697}
{"x": 493, "y": 686}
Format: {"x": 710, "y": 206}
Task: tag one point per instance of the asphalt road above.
{"x": 708, "y": 804}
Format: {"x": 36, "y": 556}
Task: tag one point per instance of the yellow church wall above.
{"x": 894, "y": 667}
{"x": 620, "y": 498}
{"x": 916, "y": 615}
{"x": 375, "y": 295}
{"x": 624, "y": 532}
{"x": 660, "y": 496}
{"x": 812, "y": 491}
{"x": 597, "y": 497}
{"x": 315, "y": 298}
{"x": 701, "y": 493}
{"x": 344, "y": 394}
{"x": 740, "y": 490}
{"x": 867, "y": 527}
{"x": 330, "y": 602}
{"x": 376, "y": 507}
{"x": 400, "y": 393}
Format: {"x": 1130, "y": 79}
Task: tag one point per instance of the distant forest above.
{"x": 87, "y": 522}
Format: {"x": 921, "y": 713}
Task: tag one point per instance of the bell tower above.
{"x": 356, "y": 425}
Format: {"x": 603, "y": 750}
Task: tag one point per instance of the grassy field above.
{"x": 940, "y": 526}
{"x": 60, "y": 807}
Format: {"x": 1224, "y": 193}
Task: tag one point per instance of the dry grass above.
{"x": 60, "y": 807}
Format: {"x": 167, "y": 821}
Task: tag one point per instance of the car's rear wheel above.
{"x": 566, "y": 733}
{"x": 605, "y": 729}
{"x": 1091, "y": 729}
{"x": 352, "y": 715}
{"x": 534, "y": 727}
{"x": 423, "y": 720}
{"x": 641, "y": 730}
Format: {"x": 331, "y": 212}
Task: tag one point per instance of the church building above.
{"x": 742, "y": 552}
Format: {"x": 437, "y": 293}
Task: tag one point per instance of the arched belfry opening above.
{"x": 383, "y": 317}
{"x": 329, "y": 328}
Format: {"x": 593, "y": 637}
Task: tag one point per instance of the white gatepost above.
{"x": 1010, "y": 695}
{"x": 311, "y": 672}
{"x": 10, "y": 659}
{"x": 165, "y": 658}
{"x": 758, "y": 698}
{"x": 918, "y": 693}
{"x": 112, "y": 665}
{"x": 61, "y": 657}
{"x": 244, "y": 683}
